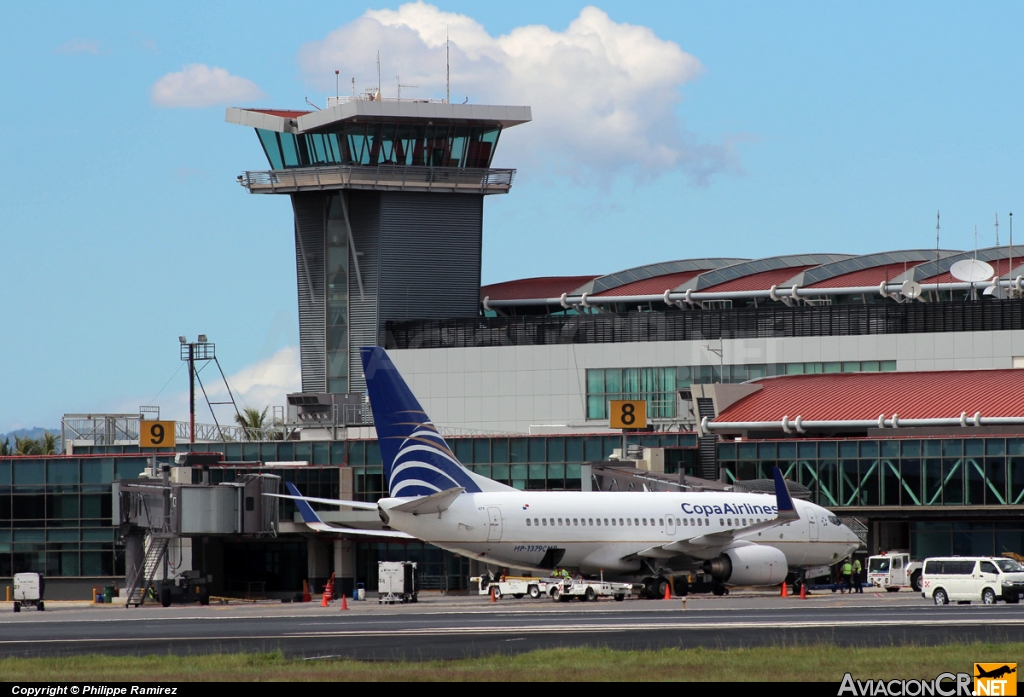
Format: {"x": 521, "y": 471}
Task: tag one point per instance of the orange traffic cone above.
{"x": 344, "y": 602}
{"x": 785, "y": 591}
{"x": 803, "y": 591}
{"x": 668, "y": 592}
{"x": 493, "y": 599}
{"x": 323, "y": 600}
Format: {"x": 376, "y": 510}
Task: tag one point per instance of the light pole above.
{"x": 190, "y": 351}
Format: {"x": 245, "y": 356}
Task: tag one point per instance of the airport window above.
{"x": 661, "y": 521}
{"x": 657, "y": 386}
{"x": 527, "y": 522}
{"x": 575, "y": 521}
{"x": 591, "y": 521}
{"x": 559, "y": 521}
{"x": 699, "y": 522}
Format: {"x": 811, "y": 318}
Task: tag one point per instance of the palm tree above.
{"x": 5, "y": 447}
{"x": 48, "y": 444}
{"x": 253, "y": 422}
{"x": 26, "y": 446}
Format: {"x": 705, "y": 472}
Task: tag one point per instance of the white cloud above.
{"x": 79, "y": 46}
{"x": 199, "y": 85}
{"x": 604, "y": 94}
{"x": 262, "y": 384}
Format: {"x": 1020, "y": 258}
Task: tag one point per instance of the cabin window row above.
{"x": 611, "y": 522}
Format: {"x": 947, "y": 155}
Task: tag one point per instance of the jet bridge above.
{"x": 159, "y": 514}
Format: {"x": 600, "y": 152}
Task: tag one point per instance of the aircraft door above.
{"x": 670, "y": 524}
{"x": 494, "y": 524}
{"x": 812, "y": 527}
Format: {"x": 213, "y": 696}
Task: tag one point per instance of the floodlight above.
{"x": 202, "y": 338}
{"x": 182, "y": 339}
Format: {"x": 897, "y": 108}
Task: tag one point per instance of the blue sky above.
{"x": 816, "y": 128}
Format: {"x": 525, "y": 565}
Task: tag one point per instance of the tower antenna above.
{"x": 447, "y": 69}
{"x": 398, "y": 79}
{"x": 378, "y": 75}
{"x": 937, "y": 255}
{"x": 997, "y": 229}
{"x": 337, "y": 85}
{"x": 1010, "y": 270}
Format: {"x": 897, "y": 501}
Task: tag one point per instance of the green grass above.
{"x": 825, "y": 662}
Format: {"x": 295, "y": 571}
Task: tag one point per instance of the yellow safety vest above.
{"x": 847, "y": 569}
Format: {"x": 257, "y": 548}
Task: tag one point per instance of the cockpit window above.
{"x": 832, "y": 519}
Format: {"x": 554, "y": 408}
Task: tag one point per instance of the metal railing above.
{"x": 379, "y": 178}
{"x": 117, "y": 429}
{"x": 773, "y": 321}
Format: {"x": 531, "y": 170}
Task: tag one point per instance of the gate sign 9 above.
{"x": 628, "y": 413}
{"x": 156, "y": 434}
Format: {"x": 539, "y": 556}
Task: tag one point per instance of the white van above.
{"x": 965, "y": 579}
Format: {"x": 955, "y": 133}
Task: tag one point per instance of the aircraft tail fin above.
{"x": 417, "y": 460}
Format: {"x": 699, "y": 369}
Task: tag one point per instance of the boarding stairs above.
{"x": 139, "y": 578}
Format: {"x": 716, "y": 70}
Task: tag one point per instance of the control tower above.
{"x": 388, "y": 203}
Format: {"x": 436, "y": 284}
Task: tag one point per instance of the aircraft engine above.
{"x": 751, "y": 565}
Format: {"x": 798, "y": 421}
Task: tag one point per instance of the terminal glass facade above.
{"x": 658, "y": 385}
{"x": 912, "y": 472}
{"x": 411, "y": 144}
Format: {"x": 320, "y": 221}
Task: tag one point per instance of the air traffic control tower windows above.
{"x": 371, "y": 144}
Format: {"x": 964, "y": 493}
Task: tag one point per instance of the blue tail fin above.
{"x": 305, "y": 510}
{"x": 782, "y": 498}
{"x": 417, "y": 460}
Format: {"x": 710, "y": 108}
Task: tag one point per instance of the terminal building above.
{"x": 886, "y": 386}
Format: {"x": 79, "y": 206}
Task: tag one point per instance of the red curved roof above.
{"x": 867, "y": 277}
{"x": 653, "y": 286}
{"x": 861, "y": 396}
{"x": 759, "y": 281}
{"x": 532, "y": 288}
{"x": 1002, "y": 267}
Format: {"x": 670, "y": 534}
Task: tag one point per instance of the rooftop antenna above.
{"x": 337, "y": 84}
{"x": 1010, "y": 270}
{"x": 975, "y": 242}
{"x": 378, "y": 74}
{"x": 447, "y": 69}
{"x": 353, "y": 87}
{"x": 937, "y": 255}
{"x": 997, "y": 229}
{"x": 400, "y": 86}
{"x": 312, "y": 104}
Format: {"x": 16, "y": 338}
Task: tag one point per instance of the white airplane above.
{"x": 740, "y": 539}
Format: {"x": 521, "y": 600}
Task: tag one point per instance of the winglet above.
{"x": 787, "y": 511}
{"x": 305, "y": 510}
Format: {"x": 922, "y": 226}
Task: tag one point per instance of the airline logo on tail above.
{"x": 417, "y": 460}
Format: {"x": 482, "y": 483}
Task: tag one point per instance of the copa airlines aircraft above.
{"x": 740, "y": 539}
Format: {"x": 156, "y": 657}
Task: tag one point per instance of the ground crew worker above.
{"x": 859, "y": 586}
{"x": 847, "y": 575}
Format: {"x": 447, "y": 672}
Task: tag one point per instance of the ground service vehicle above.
{"x": 396, "y": 582}
{"x": 28, "y": 590}
{"x": 515, "y": 586}
{"x": 894, "y": 570}
{"x": 967, "y": 579}
{"x": 568, "y": 588}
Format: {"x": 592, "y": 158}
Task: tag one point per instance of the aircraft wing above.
{"x": 363, "y": 505}
{"x": 313, "y": 521}
{"x": 702, "y": 545}
{"x": 321, "y": 526}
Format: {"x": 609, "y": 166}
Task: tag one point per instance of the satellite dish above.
{"x": 972, "y": 271}
{"x": 911, "y": 289}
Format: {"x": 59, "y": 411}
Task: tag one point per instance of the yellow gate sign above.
{"x": 628, "y": 413}
{"x": 156, "y": 434}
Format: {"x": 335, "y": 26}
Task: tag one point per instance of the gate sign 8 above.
{"x": 628, "y": 413}
{"x": 156, "y": 434}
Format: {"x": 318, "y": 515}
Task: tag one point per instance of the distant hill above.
{"x": 34, "y": 433}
